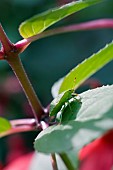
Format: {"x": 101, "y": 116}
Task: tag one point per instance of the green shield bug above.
{"x": 65, "y": 106}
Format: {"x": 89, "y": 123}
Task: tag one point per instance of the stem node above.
{"x": 10, "y": 53}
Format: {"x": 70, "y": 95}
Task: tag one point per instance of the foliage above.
{"x": 39, "y": 23}
{"x": 4, "y": 125}
{"x": 70, "y": 117}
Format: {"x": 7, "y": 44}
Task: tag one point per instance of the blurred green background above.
{"x": 51, "y": 58}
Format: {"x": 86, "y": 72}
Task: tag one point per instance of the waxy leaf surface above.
{"x": 87, "y": 68}
{"x": 94, "y": 118}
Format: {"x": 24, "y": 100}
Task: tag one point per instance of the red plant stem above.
{"x": 1, "y": 55}
{"x": 54, "y": 162}
{"x": 19, "y": 122}
{"x": 21, "y": 125}
{"x": 7, "y": 45}
{"x": 20, "y": 129}
{"x": 17, "y": 67}
{"x": 24, "y": 128}
{"x": 10, "y": 53}
{"x": 43, "y": 125}
{"x": 22, "y": 45}
{"x": 90, "y": 25}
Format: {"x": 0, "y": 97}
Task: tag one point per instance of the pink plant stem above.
{"x": 18, "y": 69}
{"x": 43, "y": 125}
{"x": 21, "y": 125}
{"x": 54, "y": 162}
{"x": 24, "y": 128}
{"x": 90, "y": 25}
{"x": 7, "y": 45}
{"x": 20, "y": 122}
{"x": 22, "y": 45}
{"x": 10, "y": 52}
{"x": 1, "y": 55}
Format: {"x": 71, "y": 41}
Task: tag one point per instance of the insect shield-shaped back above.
{"x": 65, "y": 106}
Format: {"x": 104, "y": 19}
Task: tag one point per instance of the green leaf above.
{"x": 87, "y": 68}
{"x": 4, "y": 125}
{"x": 96, "y": 103}
{"x": 56, "y": 86}
{"x": 93, "y": 119}
{"x": 39, "y": 23}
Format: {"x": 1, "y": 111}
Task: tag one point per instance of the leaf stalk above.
{"x": 90, "y": 25}
{"x": 67, "y": 161}
{"x": 54, "y": 162}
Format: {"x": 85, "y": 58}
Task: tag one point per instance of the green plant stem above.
{"x": 17, "y": 67}
{"x": 66, "y": 161}
{"x": 54, "y": 162}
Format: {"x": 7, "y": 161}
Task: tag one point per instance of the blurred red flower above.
{"x": 98, "y": 155}
{"x": 16, "y": 147}
{"x": 1, "y": 166}
{"x": 21, "y": 163}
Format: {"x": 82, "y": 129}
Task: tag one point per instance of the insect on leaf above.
{"x": 59, "y": 101}
{"x": 71, "y": 109}
{"x": 94, "y": 118}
